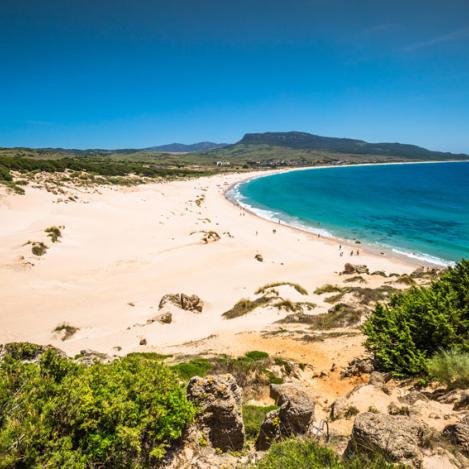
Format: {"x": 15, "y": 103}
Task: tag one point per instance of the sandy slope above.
{"x": 135, "y": 245}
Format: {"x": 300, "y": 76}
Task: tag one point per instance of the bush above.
{"x": 58, "y": 413}
{"x": 450, "y": 367}
{"x": 256, "y": 355}
{"x": 302, "y": 453}
{"x": 253, "y": 416}
{"x": 419, "y": 322}
{"x": 196, "y": 367}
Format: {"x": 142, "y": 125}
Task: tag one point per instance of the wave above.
{"x": 234, "y": 194}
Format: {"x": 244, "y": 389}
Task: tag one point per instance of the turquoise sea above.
{"x": 419, "y": 210}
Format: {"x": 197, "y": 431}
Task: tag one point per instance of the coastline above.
{"x": 420, "y": 259}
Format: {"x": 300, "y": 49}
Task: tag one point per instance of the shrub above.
{"x": 450, "y": 367}
{"x": 302, "y": 453}
{"x": 256, "y": 355}
{"x": 54, "y": 233}
{"x": 67, "y": 330}
{"x": 340, "y": 315}
{"x": 196, "y": 367}
{"x": 253, "y": 416}
{"x": 269, "y": 286}
{"x": 419, "y": 322}
{"x": 245, "y": 306}
{"x": 38, "y": 248}
{"x": 58, "y": 413}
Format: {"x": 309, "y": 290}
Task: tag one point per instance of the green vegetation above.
{"x": 253, "y": 416}
{"x": 328, "y": 288}
{"x": 38, "y": 248}
{"x": 195, "y": 367}
{"x": 54, "y": 233}
{"x": 269, "y": 286}
{"x": 450, "y": 367}
{"x": 245, "y": 306}
{"x": 420, "y": 322}
{"x": 256, "y": 355}
{"x": 355, "y": 278}
{"x": 67, "y": 330}
{"x": 302, "y": 453}
{"x": 57, "y": 413}
{"x": 340, "y": 315}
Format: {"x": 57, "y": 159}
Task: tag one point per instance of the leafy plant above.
{"x": 253, "y": 416}
{"x": 419, "y": 322}
{"x": 58, "y": 413}
{"x": 450, "y": 367}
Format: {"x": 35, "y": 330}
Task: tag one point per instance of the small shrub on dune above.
{"x": 39, "y": 248}
{"x": 269, "y": 286}
{"x": 67, "y": 330}
{"x": 245, "y": 306}
{"x": 54, "y": 233}
{"x": 328, "y": 288}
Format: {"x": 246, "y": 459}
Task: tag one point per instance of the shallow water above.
{"x": 420, "y": 210}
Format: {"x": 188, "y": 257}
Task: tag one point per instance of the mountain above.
{"x": 183, "y": 148}
{"x": 306, "y": 141}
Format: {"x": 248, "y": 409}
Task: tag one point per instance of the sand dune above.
{"x": 123, "y": 249}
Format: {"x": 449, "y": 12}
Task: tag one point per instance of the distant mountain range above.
{"x": 306, "y": 141}
{"x": 183, "y": 148}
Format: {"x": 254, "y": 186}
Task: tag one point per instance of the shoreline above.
{"x": 367, "y": 246}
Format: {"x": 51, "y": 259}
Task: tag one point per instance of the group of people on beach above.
{"x": 352, "y": 252}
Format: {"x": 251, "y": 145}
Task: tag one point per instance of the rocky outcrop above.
{"x": 355, "y": 269}
{"x": 219, "y": 400}
{"x": 181, "y": 300}
{"x": 399, "y": 439}
{"x": 458, "y": 435}
{"x": 294, "y": 417}
{"x": 357, "y": 367}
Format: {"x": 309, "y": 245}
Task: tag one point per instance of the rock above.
{"x": 165, "y": 318}
{"x": 357, "y": 367}
{"x": 377, "y": 378}
{"x": 143, "y": 342}
{"x": 463, "y": 402}
{"x": 458, "y": 435}
{"x": 412, "y": 397}
{"x": 294, "y": 417}
{"x": 399, "y": 439}
{"x": 355, "y": 269}
{"x": 259, "y": 257}
{"x": 181, "y": 300}
{"x": 219, "y": 400}
{"x": 339, "y": 408}
{"x": 89, "y": 357}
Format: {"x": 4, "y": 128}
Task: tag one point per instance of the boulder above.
{"x": 463, "y": 402}
{"x": 294, "y": 417}
{"x": 399, "y": 439}
{"x": 458, "y": 435}
{"x": 357, "y": 367}
{"x": 181, "y": 300}
{"x": 355, "y": 269}
{"x": 219, "y": 399}
{"x": 339, "y": 408}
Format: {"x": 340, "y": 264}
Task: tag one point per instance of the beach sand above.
{"x": 122, "y": 249}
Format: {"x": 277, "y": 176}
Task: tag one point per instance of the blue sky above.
{"x": 136, "y": 73}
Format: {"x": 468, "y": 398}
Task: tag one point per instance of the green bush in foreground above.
{"x": 419, "y": 322}
{"x": 450, "y": 367}
{"x": 58, "y": 413}
{"x": 302, "y": 453}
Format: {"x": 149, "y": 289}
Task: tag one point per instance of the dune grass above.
{"x": 269, "y": 286}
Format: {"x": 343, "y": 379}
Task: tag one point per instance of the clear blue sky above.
{"x": 135, "y": 73}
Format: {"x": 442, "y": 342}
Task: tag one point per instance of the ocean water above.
{"x": 419, "y": 210}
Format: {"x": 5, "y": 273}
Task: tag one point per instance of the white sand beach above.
{"x": 122, "y": 249}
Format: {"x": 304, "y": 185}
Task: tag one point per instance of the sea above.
{"x": 419, "y": 210}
